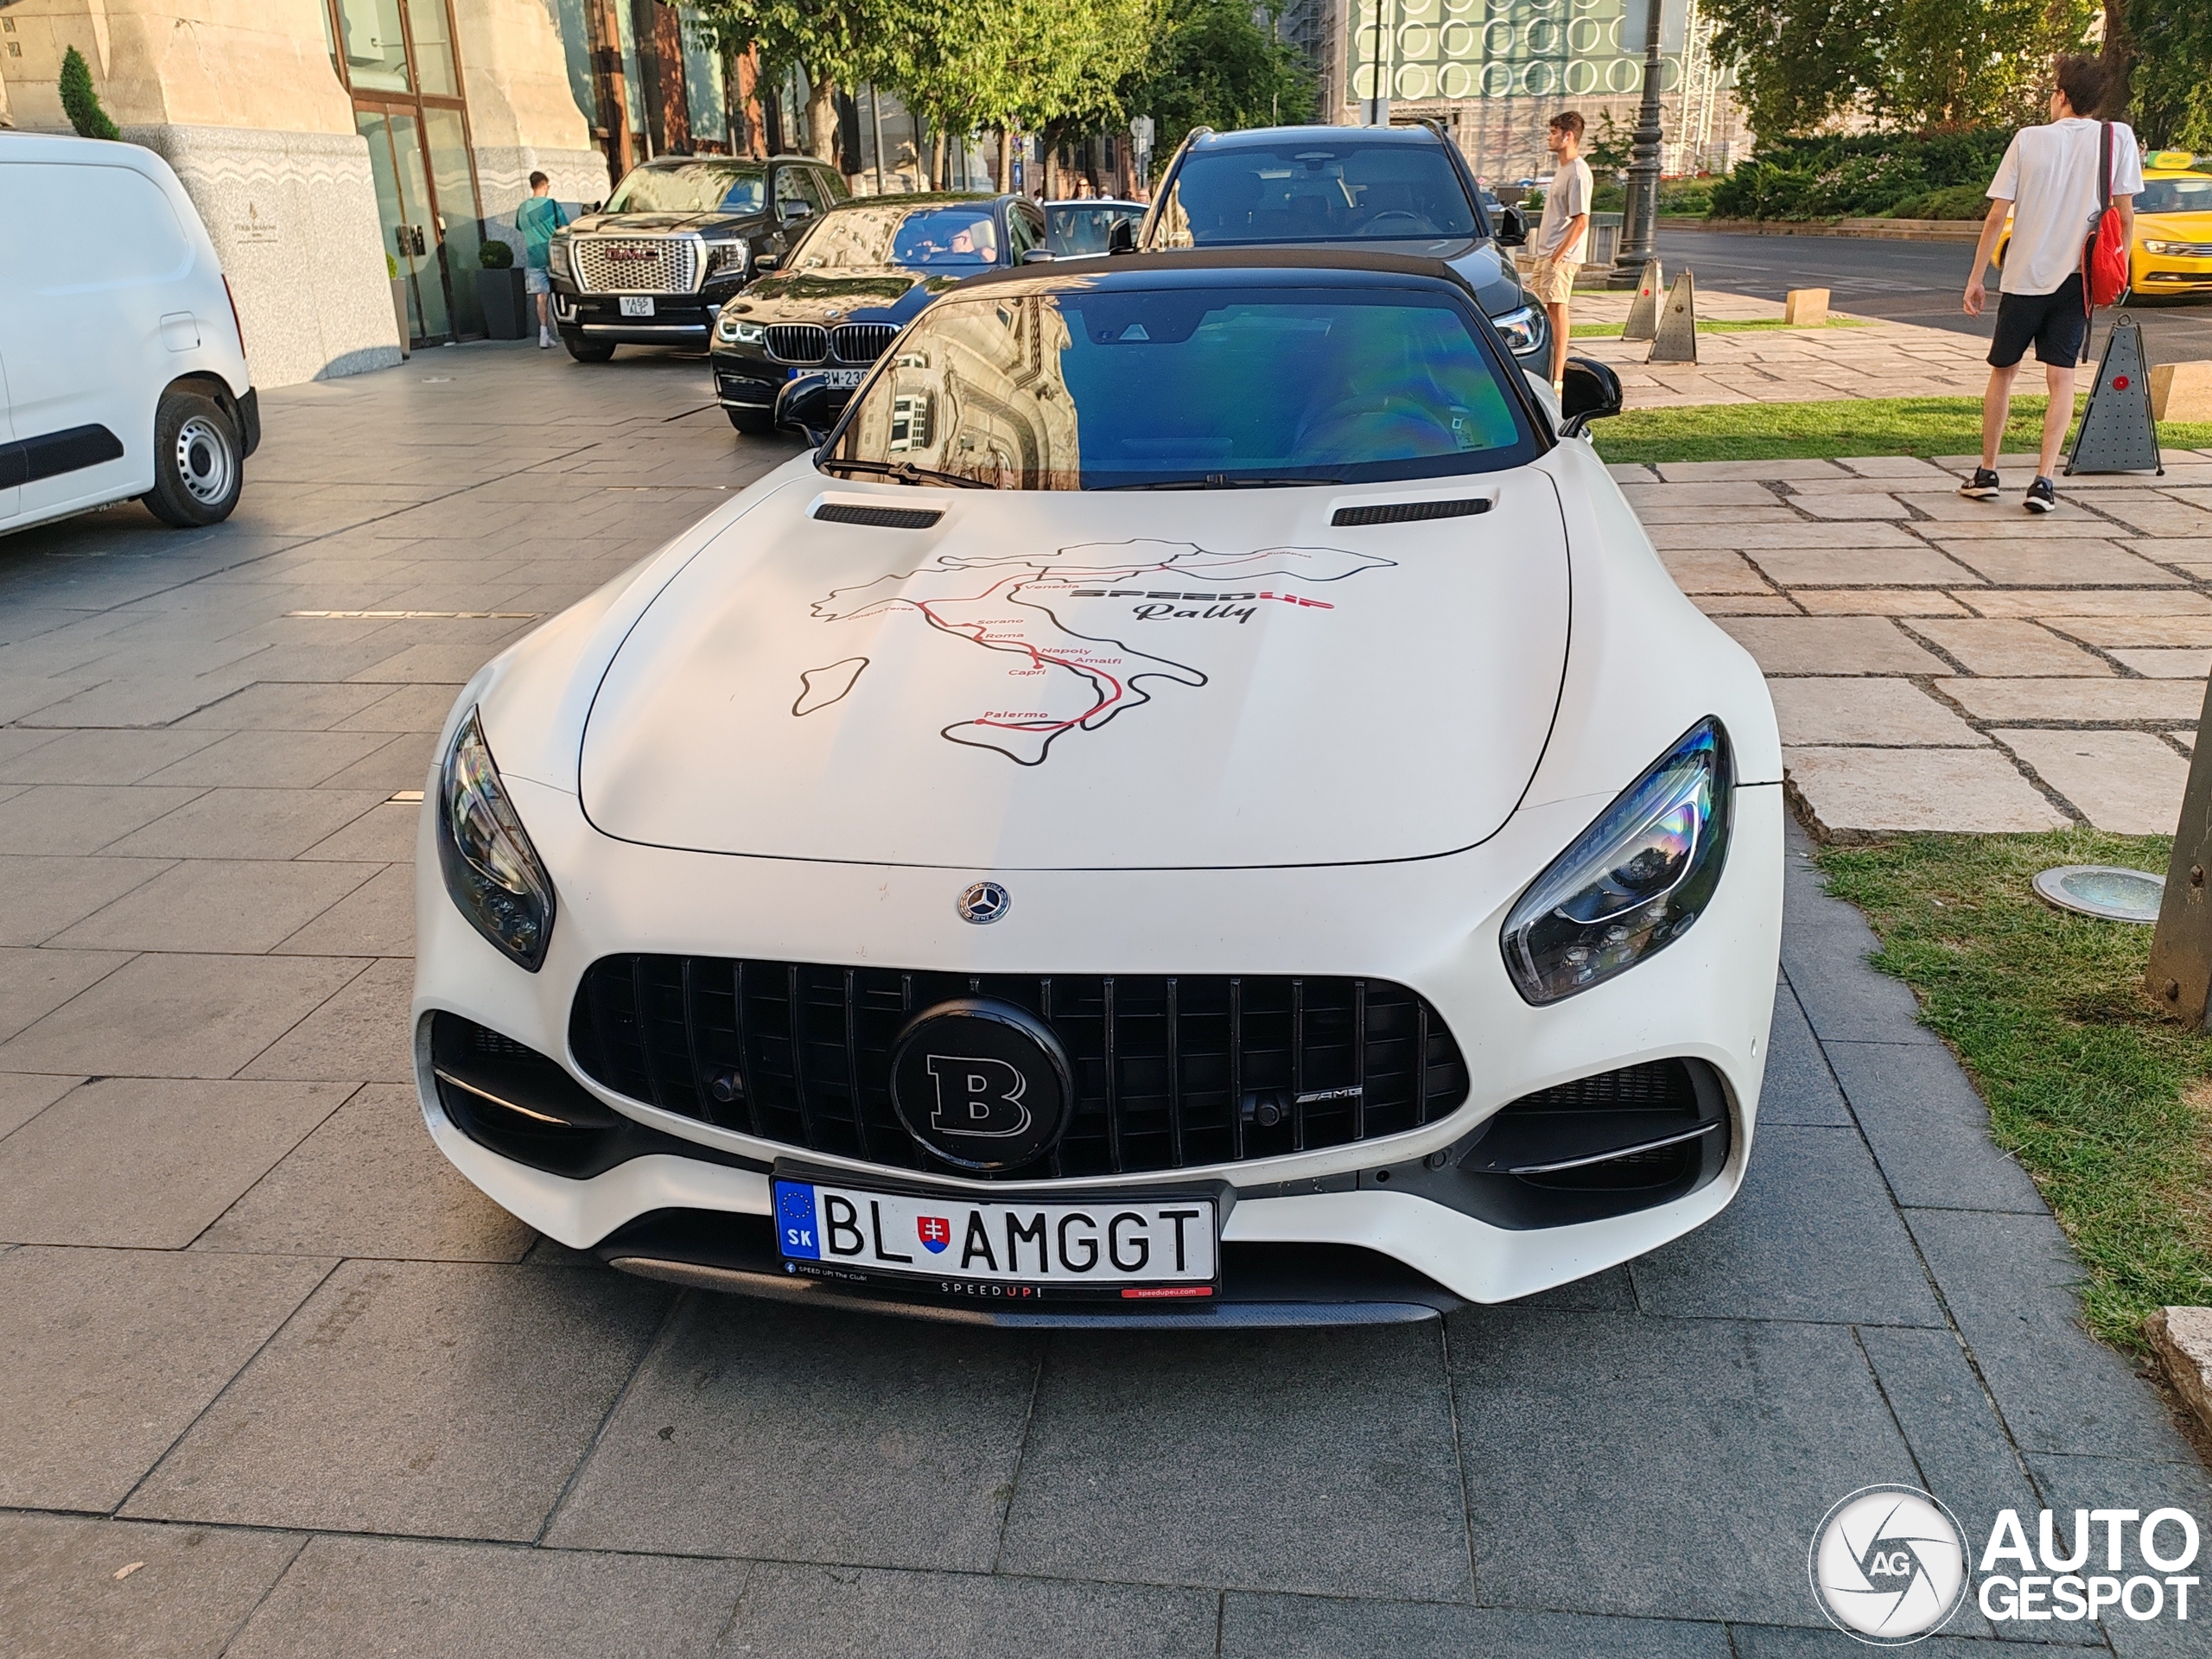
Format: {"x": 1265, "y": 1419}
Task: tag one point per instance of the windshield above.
{"x": 959, "y": 238}
{"x": 1083, "y": 227}
{"x": 2175, "y": 196}
{"x": 1314, "y": 192}
{"x": 1208, "y": 387}
{"x": 691, "y": 187}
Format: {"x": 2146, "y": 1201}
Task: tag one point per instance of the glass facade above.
{"x": 1412, "y": 49}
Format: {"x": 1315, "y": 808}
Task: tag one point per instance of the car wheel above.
{"x": 587, "y": 351}
{"x": 754, "y": 422}
{"x": 199, "y": 463}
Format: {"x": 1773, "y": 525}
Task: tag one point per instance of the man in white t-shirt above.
{"x": 1561, "y": 233}
{"x": 2047, "y": 184}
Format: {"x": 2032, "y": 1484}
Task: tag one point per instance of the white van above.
{"x": 123, "y": 370}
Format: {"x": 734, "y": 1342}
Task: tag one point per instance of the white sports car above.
{"x": 1197, "y": 803}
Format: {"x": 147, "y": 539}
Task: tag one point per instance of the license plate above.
{"x": 1132, "y": 1250}
{"x": 844, "y": 380}
{"x": 637, "y": 305}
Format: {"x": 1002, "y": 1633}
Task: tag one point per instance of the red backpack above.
{"x": 2104, "y": 255}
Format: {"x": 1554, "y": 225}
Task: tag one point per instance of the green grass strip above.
{"x": 1843, "y": 426}
{"x": 1720, "y": 326}
{"x": 2105, "y": 1101}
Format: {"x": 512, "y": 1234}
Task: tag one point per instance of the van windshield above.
{"x": 1208, "y": 387}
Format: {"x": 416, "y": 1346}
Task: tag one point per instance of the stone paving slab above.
{"x": 1981, "y": 622}
{"x": 483, "y": 1453}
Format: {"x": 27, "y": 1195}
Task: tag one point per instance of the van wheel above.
{"x": 199, "y": 468}
{"x": 587, "y": 349}
{"x": 754, "y": 422}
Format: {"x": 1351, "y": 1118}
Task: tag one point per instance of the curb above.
{"x": 1890, "y": 230}
{"x": 2182, "y": 1336}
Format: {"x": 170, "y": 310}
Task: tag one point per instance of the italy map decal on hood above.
{"x": 1067, "y": 680}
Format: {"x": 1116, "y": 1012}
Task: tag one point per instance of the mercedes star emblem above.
{"x": 984, "y": 903}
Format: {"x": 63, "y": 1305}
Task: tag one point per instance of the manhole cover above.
{"x": 2104, "y": 890}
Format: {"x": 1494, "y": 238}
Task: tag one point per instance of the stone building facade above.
{"x": 348, "y": 156}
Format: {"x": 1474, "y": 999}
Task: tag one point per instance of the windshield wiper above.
{"x": 905, "y": 472}
{"x": 1221, "y": 481}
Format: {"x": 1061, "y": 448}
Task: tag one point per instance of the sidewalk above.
{"x": 1786, "y": 365}
{"x": 1946, "y": 664}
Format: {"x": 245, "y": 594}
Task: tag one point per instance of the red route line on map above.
{"x": 1035, "y": 656}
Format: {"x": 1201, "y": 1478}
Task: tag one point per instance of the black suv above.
{"x": 678, "y": 236}
{"x": 1382, "y": 190}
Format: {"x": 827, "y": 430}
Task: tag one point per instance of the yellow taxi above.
{"x": 2173, "y": 228}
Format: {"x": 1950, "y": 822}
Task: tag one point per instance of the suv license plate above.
{"x": 844, "y": 380}
{"x": 637, "y": 305}
{"x": 1132, "y": 1248}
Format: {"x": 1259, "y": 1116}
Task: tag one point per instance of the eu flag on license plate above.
{"x": 795, "y": 1221}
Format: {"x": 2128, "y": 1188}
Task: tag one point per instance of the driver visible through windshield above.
{"x": 1196, "y": 387}
{"x": 962, "y": 237}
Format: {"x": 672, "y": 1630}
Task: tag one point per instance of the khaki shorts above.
{"x": 1551, "y": 282}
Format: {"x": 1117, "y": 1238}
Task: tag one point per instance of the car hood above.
{"x": 2179, "y": 227}
{"x": 617, "y": 224}
{"x": 1070, "y": 680}
{"x": 877, "y": 291}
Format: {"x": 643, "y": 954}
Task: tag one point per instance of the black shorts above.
{"x": 2057, "y": 323}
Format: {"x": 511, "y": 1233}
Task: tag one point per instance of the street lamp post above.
{"x": 1639, "y": 222}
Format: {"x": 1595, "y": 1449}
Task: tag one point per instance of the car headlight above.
{"x": 2173, "y": 250}
{"x": 1634, "y": 881}
{"x": 491, "y": 871}
{"x": 739, "y": 332}
{"x": 727, "y": 258}
{"x": 1520, "y": 329}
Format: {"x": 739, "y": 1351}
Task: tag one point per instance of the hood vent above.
{"x": 1408, "y": 512}
{"x": 836, "y": 513}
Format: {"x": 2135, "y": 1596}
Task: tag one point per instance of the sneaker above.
{"x": 544, "y": 338}
{"x": 2042, "y": 496}
{"x": 1982, "y": 486}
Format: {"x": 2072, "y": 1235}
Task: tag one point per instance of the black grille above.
{"x": 861, "y": 342}
{"x": 881, "y": 518}
{"x": 1406, "y": 512}
{"x": 1170, "y": 1071}
{"x": 798, "y": 342}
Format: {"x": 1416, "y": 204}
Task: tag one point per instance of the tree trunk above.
{"x": 822, "y": 119}
{"x": 936, "y": 162}
{"x": 2116, "y": 56}
{"x": 1005, "y": 160}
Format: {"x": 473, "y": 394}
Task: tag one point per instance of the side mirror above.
{"x": 1590, "y": 392}
{"x": 1512, "y": 228}
{"x": 1038, "y": 256}
{"x": 594, "y": 207}
{"x": 767, "y": 261}
{"x": 1123, "y": 238}
{"x": 791, "y": 212}
{"x": 804, "y": 402}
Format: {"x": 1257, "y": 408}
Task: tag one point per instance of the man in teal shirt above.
{"x": 534, "y": 222}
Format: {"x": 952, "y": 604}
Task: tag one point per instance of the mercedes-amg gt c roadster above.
{"x": 1196, "y": 803}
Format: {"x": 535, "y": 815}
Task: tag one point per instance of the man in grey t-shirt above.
{"x": 1561, "y": 233}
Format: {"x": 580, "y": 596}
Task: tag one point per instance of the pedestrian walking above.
{"x": 2050, "y": 182}
{"x": 534, "y": 222}
{"x": 1561, "y": 233}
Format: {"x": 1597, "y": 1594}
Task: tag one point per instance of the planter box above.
{"x": 508, "y": 313}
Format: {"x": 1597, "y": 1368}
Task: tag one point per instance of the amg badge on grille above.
{"x": 984, "y": 903}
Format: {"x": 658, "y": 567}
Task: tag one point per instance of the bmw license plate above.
{"x": 844, "y": 380}
{"x": 1128, "y": 1249}
{"x": 637, "y": 305}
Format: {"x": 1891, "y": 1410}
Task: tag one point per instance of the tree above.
{"x": 1212, "y": 66}
{"x": 1798, "y": 62}
{"x": 830, "y": 43}
{"x": 81, "y": 102}
{"x": 2170, "y": 44}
